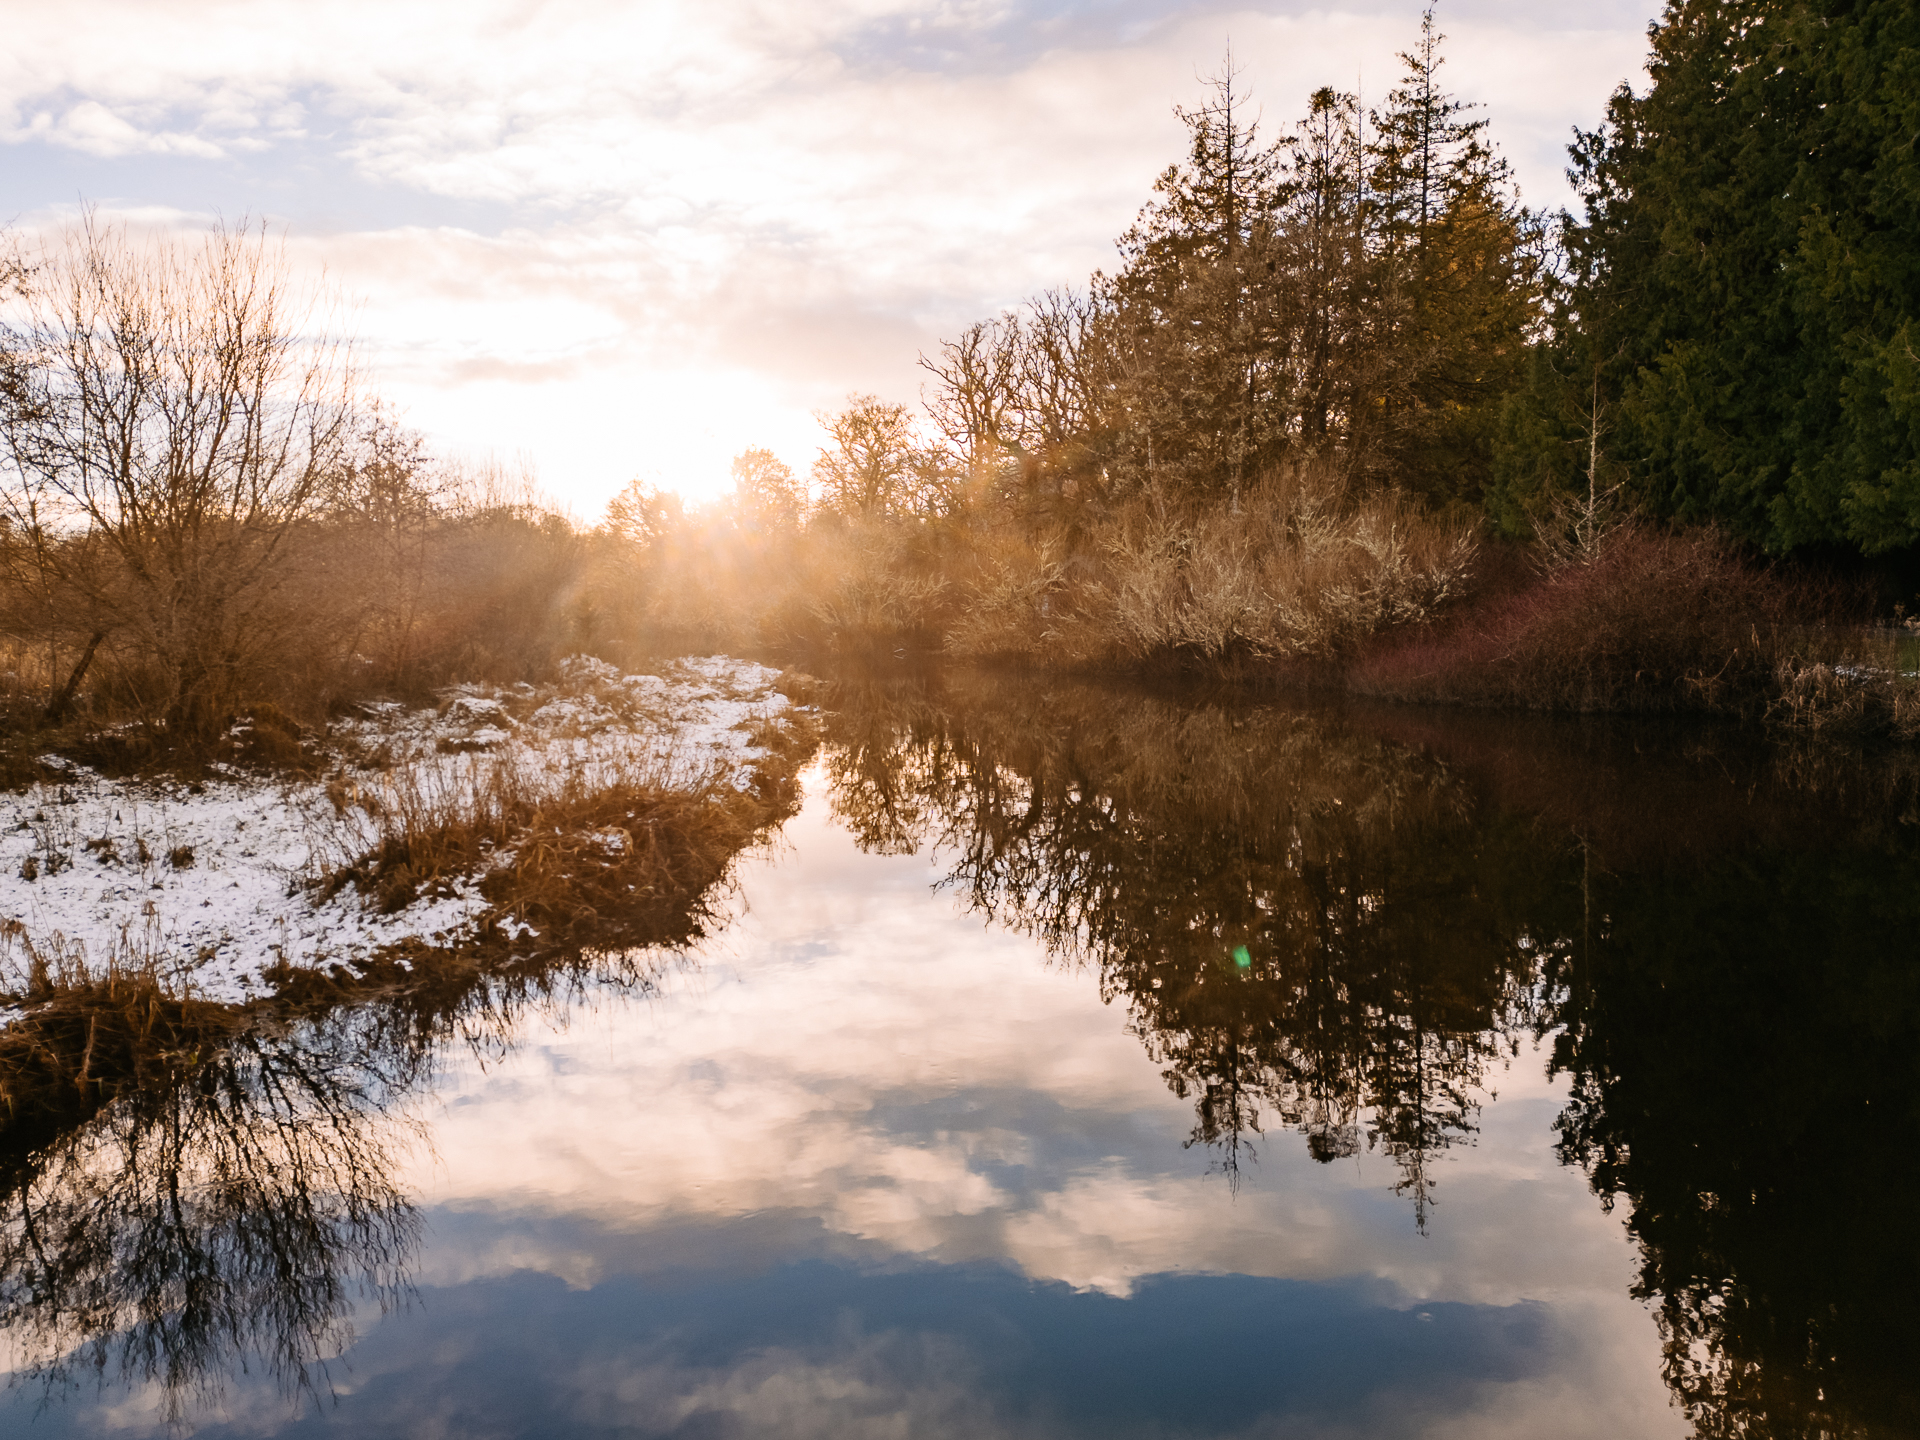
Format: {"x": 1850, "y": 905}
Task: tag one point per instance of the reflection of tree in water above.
{"x": 1744, "y": 1042}
{"x": 184, "y": 1186}
{"x": 240, "y": 1202}
{"x": 1311, "y": 927}
{"x": 1316, "y": 927}
{"x": 1288, "y": 909}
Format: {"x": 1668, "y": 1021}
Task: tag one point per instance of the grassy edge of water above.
{"x": 85, "y": 1036}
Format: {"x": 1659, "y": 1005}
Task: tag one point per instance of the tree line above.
{"x": 1329, "y": 364}
{"x": 1723, "y": 331}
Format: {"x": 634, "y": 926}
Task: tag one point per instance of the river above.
{"x": 1081, "y": 1061}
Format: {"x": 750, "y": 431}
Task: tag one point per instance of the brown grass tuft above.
{"x": 1300, "y": 568}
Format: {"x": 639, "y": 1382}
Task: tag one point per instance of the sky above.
{"x": 618, "y": 241}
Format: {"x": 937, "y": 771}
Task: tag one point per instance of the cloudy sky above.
{"x": 624, "y": 238}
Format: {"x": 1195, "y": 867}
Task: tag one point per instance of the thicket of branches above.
{"x": 200, "y": 511}
{"x": 1263, "y": 435}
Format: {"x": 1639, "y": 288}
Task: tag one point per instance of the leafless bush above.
{"x": 168, "y": 416}
{"x": 1298, "y": 568}
{"x": 1648, "y": 620}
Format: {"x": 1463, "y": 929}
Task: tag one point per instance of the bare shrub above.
{"x": 1649, "y": 620}
{"x": 1299, "y": 568}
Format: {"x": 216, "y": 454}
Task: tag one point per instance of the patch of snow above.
{"x": 211, "y": 883}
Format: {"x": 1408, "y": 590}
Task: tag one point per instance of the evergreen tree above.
{"x": 1738, "y": 315}
{"x": 1193, "y": 306}
{"x": 1327, "y": 303}
{"x": 1460, "y": 280}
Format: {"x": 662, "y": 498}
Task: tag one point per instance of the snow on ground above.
{"x": 210, "y": 880}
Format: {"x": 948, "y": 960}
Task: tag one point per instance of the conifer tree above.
{"x": 1459, "y": 280}
{"x": 1739, "y": 312}
{"x": 1317, "y": 297}
{"x": 1324, "y": 282}
{"x": 1194, "y": 306}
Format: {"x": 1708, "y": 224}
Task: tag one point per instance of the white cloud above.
{"x": 713, "y": 218}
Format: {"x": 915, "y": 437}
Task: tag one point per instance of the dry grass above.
{"x": 839, "y": 586}
{"x": 576, "y": 836}
{"x": 1301, "y": 568}
{"x": 1846, "y": 699}
{"x": 95, "y": 1038}
{"x": 561, "y": 866}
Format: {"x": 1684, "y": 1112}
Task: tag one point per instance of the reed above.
{"x": 1298, "y": 567}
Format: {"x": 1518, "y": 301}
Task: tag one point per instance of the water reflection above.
{"x": 1329, "y": 932}
{"x": 1317, "y": 924}
{"x": 1293, "y": 912}
{"x": 235, "y": 1202}
{"x": 1744, "y": 1038}
{"x": 204, "y": 1188}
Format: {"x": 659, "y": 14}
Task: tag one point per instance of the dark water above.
{"x": 1082, "y": 1062}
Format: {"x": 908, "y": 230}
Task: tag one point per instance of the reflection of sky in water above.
{"x": 877, "y": 1169}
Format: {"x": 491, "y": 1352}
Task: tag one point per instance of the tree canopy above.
{"x": 1357, "y": 291}
{"x": 1735, "y": 328}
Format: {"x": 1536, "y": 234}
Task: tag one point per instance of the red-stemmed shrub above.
{"x": 1650, "y": 620}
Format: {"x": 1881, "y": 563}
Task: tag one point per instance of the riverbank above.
{"x": 1302, "y": 583}
{"x": 505, "y": 819}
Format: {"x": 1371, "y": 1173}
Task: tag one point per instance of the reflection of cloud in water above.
{"x": 809, "y": 1348}
{"x": 859, "y": 1073}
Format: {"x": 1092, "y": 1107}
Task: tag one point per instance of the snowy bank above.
{"x": 210, "y": 883}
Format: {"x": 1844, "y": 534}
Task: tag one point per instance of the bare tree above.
{"x": 168, "y": 417}
{"x": 875, "y": 466}
{"x": 767, "y": 496}
{"x": 978, "y": 377}
{"x": 644, "y": 515}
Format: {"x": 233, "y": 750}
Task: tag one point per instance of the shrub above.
{"x": 1301, "y": 568}
{"x": 1648, "y": 620}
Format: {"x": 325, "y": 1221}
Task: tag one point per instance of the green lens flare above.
{"x": 1242, "y": 958}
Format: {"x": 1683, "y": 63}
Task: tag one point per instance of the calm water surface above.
{"x": 1083, "y": 1062}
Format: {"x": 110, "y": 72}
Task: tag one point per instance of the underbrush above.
{"x": 1305, "y": 581}
{"x": 1298, "y": 568}
{"x": 1863, "y": 693}
{"x": 469, "y": 587}
{"x": 1646, "y": 620}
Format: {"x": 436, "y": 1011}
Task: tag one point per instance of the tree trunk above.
{"x": 57, "y": 707}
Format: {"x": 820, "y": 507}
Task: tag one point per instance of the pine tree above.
{"x": 1460, "y": 280}
{"x": 1741, "y": 291}
{"x": 1193, "y": 306}
{"x": 1323, "y": 281}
